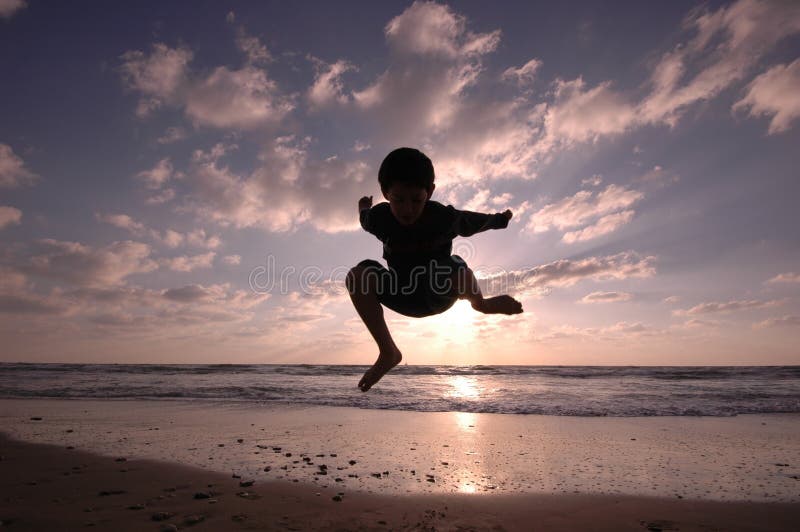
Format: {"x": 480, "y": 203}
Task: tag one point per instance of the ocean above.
{"x": 549, "y": 390}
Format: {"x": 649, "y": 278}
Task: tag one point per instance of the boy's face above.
{"x": 406, "y": 202}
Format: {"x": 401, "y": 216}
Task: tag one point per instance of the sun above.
{"x": 456, "y": 325}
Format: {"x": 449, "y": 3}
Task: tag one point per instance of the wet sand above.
{"x": 117, "y": 464}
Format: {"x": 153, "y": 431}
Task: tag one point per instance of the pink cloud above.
{"x": 775, "y": 93}
{"x": 13, "y": 173}
{"x": 9, "y": 216}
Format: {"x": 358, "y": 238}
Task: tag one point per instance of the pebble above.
{"x": 194, "y": 519}
{"x": 246, "y": 483}
{"x": 202, "y": 495}
{"x": 168, "y": 527}
{"x": 337, "y": 498}
{"x": 352, "y": 462}
{"x": 161, "y": 516}
{"x": 36, "y": 418}
{"x": 136, "y": 507}
{"x": 240, "y": 440}
{"x": 121, "y": 460}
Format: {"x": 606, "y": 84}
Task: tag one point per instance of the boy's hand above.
{"x": 365, "y": 203}
{"x": 507, "y": 213}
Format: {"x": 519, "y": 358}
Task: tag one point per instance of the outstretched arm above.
{"x": 364, "y": 205}
{"x": 468, "y": 223}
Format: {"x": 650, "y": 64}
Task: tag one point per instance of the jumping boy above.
{"x": 423, "y": 278}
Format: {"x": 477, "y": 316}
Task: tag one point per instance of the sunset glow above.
{"x": 182, "y": 186}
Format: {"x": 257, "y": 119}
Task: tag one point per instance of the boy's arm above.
{"x": 468, "y": 223}
{"x": 364, "y": 205}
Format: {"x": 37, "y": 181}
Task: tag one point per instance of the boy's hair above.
{"x": 407, "y": 166}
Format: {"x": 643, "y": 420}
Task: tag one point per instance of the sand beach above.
{"x": 167, "y": 465}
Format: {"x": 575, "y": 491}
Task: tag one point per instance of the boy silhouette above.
{"x": 423, "y": 278}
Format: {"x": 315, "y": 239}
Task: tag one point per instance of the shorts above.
{"x": 418, "y": 291}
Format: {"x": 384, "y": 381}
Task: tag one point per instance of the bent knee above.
{"x": 361, "y": 274}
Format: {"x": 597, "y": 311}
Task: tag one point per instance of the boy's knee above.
{"x": 359, "y": 275}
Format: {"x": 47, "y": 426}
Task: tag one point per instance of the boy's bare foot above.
{"x": 498, "y": 305}
{"x": 381, "y": 367}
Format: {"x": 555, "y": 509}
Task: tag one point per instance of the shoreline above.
{"x": 49, "y": 487}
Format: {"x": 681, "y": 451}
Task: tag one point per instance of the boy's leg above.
{"x": 362, "y": 285}
{"x": 467, "y": 288}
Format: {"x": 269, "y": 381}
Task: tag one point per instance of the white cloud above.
{"x": 9, "y": 216}
{"x": 605, "y": 297}
{"x": 580, "y": 114}
{"x": 775, "y": 93}
{"x": 605, "y": 225}
{"x": 163, "y": 196}
{"x": 782, "y": 321}
{"x": 788, "y": 277}
{"x": 328, "y": 88}
{"x": 232, "y": 259}
{"x": 158, "y": 77}
{"x": 172, "y": 134}
{"x": 727, "y": 44}
{"x": 252, "y": 47}
{"x": 12, "y": 169}
{"x": 189, "y": 263}
{"x": 727, "y": 307}
{"x": 285, "y": 191}
{"x": 170, "y": 237}
{"x": 523, "y": 75}
{"x": 564, "y": 273}
{"x": 430, "y": 28}
{"x": 238, "y": 99}
{"x": 123, "y": 221}
{"x": 671, "y": 300}
{"x": 595, "y": 181}
{"x": 583, "y": 206}
{"x": 8, "y": 8}
{"x": 82, "y": 265}
{"x": 156, "y": 177}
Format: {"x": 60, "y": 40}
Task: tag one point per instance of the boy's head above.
{"x": 406, "y": 178}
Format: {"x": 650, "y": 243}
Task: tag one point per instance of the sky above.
{"x": 179, "y": 180}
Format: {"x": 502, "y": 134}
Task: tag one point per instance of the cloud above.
{"x": 434, "y": 59}
{"x": 328, "y": 87}
{"x": 163, "y": 196}
{"x": 237, "y": 99}
{"x": 83, "y": 265}
{"x": 172, "y": 134}
{"x": 9, "y": 216}
{"x": 788, "y": 277}
{"x": 8, "y": 8}
{"x": 727, "y": 307}
{"x": 775, "y": 93}
{"x": 523, "y": 75}
{"x": 189, "y": 263}
{"x": 255, "y": 52}
{"x": 13, "y": 173}
{"x": 581, "y": 114}
{"x": 605, "y": 225}
{"x": 727, "y": 44}
{"x": 188, "y": 294}
{"x": 170, "y": 238}
{"x": 232, "y": 260}
{"x": 428, "y": 28}
{"x": 782, "y": 321}
{"x": 605, "y": 297}
{"x": 671, "y": 300}
{"x": 156, "y": 177}
{"x": 564, "y": 273}
{"x": 582, "y": 207}
{"x": 285, "y": 191}
{"x": 595, "y": 181}
{"x": 159, "y": 77}
{"x": 17, "y": 297}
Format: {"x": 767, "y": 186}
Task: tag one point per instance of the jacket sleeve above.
{"x": 363, "y": 217}
{"x": 466, "y": 223}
